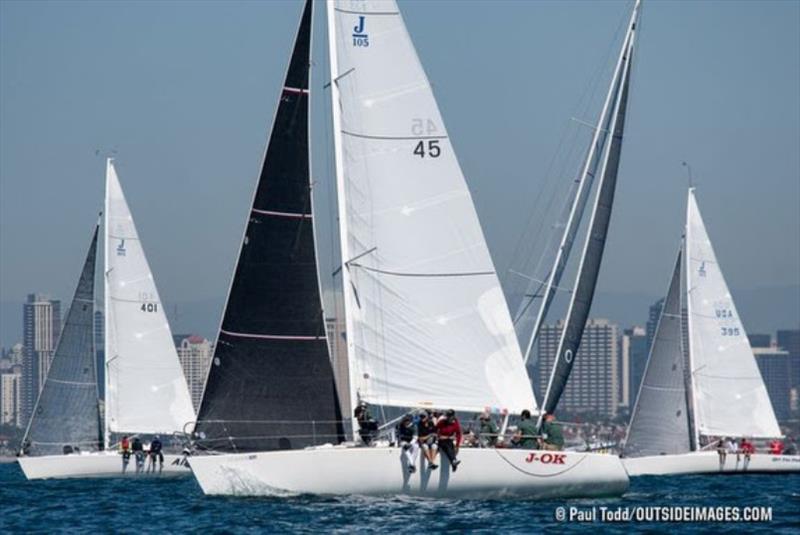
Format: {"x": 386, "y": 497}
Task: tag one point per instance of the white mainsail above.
{"x": 146, "y": 391}
{"x": 427, "y": 320}
{"x": 729, "y": 394}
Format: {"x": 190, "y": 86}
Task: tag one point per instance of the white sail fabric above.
{"x": 729, "y": 394}
{"x": 146, "y": 391}
{"x": 660, "y": 421}
{"x": 429, "y": 324}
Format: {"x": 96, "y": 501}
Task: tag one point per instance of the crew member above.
{"x": 367, "y": 425}
{"x": 138, "y": 453}
{"x": 426, "y": 431}
{"x": 551, "y": 431}
{"x": 487, "y": 432}
{"x": 526, "y": 434}
{"x": 407, "y": 439}
{"x": 125, "y": 450}
{"x": 156, "y": 455}
{"x": 449, "y": 435}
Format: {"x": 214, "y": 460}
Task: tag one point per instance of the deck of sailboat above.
{"x": 483, "y": 472}
{"x": 708, "y": 463}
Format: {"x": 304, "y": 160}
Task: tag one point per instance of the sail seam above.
{"x": 366, "y": 12}
{"x": 70, "y": 382}
{"x": 271, "y": 336}
{"x": 411, "y": 138}
{"x": 401, "y": 274}
{"x": 295, "y": 215}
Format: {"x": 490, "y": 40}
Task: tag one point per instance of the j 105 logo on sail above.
{"x": 121, "y": 248}
{"x": 360, "y": 37}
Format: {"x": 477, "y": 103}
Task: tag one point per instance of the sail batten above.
{"x": 270, "y": 384}
{"x": 67, "y": 412}
{"x": 146, "y": 390}
{"x": 427, "y": 321}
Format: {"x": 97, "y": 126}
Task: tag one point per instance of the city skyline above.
{"x": 188, "y": 154}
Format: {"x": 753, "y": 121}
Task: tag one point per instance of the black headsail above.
{"x": 592, "y": 256}
{"x": 270, "y": 384}
{"x": 67, "y": 415}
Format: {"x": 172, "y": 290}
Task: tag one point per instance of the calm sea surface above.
{"x": 178, "y": 505}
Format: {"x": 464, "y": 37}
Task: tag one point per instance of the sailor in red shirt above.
{"x": 449, "y": 429}
{"x": 746, "y": 447}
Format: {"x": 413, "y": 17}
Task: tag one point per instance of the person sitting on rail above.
{"x": 426, "y": 432}
{"x": 408, "y": 441}
{"x": 449, "y": 431}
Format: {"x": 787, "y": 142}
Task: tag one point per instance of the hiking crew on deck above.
{"x": 125, "y": 450}
{"x": 449, "y": 433}
{"x": 407, "y": 439}
{"x": 426, "y": 431}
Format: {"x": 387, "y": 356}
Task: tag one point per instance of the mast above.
{"x": 686, "y": 342}
{"x": 591, "y": 258}
{"x": 342, "y": 209}
{"x": 578, "y": 206}
{"x": 107, "y": 323}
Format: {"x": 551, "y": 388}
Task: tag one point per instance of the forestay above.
{"x": 67, "y": 411}
{"x": 428, "y": 324}
{"x": 146, "y": 391}
{"x": 730, "y": 396}
{"x": 660, "y": 421}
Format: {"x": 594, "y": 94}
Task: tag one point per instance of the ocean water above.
{"x": 178, "y": 505}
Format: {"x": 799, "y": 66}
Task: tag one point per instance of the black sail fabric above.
{"x": 583, "y": 292}
{"x": 67, "y": 415}
{"x": 271, "y": 384}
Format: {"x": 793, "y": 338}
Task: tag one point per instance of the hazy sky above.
{"x": 185, "y": 92}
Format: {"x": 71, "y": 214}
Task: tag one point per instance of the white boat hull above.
{"x": 95, "y": 465}
{"x": 382, "y": 471}
{"x": 708, "y": 462}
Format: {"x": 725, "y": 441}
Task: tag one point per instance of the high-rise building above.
{"x": 11, "y": 396}
{"x": 337, "y": 342}
{"x": 774, "y": 367}
{"x": 634, "y": 356}
{"x": 760, "y": 340}
{"x": 789, "y": 340}
{"x": 194, "y": 354}
{"x": 652, "y": 322}
{"x": 594, "y": 385}
{"x": 41, "y": 327}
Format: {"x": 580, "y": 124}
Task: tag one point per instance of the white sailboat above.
{"x": 702, "y": 382}
{"x": 145, "y": 388}
{"x": 427, "y": 322}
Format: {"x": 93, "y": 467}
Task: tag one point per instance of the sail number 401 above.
{"x": 149, "y": 307}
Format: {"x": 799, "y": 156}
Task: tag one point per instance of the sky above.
{"x": 185, "y": 92}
